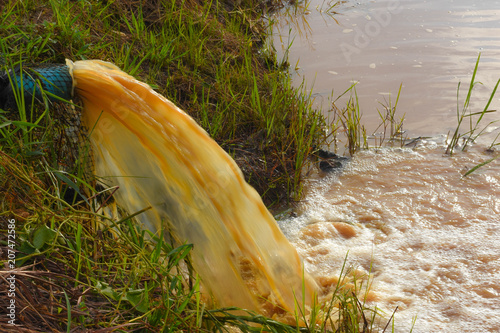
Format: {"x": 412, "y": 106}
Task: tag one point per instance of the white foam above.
{"x": 430, "y": 238}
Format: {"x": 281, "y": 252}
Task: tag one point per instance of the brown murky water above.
{"x": 427, "y": 46}
{"x": 430, "y": 237}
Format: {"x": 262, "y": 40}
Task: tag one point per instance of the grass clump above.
{"x": 474, "y": 118}
{"x": 476, "y": 125}
{"x": 75, "y": 274}
{"x": 392, "y": 126}
{"x": 347, "y": 124}
{"x": 350, "y": 120}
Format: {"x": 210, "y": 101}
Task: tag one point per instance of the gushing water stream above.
{"x": 160, "y": 158}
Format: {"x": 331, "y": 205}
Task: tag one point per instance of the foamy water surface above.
{"x": 430, "y": 237}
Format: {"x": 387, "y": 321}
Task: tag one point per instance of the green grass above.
{"x": 79, "y": 270}
{"x": 475, "y": 128}
{"x": 392, "y": 126}
{"x": 347, "y": 124}
{"x": 348, "y": 121}
{"x": 464, "y": 138}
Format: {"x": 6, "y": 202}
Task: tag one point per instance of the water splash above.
{"x": 160, "y": 158}
{"x": 429, "y": 237}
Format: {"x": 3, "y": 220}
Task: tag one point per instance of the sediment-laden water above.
{"x": 162, "y": 162}
{"x": 429, "y": 236}
{"x": 428, "y": 47}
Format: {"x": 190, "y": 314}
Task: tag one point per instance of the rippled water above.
{"x": 430, "y": 237}
{"x": 427, "y": 46}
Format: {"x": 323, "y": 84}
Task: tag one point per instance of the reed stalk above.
{"x": 476, "y": 128}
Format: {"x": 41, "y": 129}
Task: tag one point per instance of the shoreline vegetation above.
{"x": 71, "y": 273}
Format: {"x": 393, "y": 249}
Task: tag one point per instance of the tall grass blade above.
{"x": 473, "y": 169}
